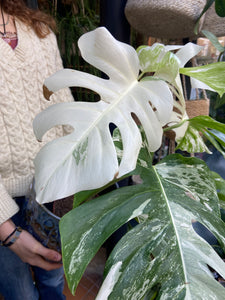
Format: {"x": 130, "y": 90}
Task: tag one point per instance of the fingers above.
{"x": 46, "y": 265}
{"x": 34, "y": 253}
{"x": 48, "y": 254}
{"x": 45, "y": 258}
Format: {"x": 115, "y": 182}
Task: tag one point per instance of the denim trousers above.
{"x": 20, "y": 281}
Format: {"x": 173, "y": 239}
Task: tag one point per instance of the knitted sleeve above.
{"x": 8, "y": 206}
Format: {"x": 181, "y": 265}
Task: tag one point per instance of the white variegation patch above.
{"x": 139, "y": 210}
{"x": 109, "y": 282}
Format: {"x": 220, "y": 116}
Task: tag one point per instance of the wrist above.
{"x": 12, "y": 237}
{"x": 6, "y": 229}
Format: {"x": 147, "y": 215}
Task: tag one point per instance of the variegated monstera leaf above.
{"x": 162, "y": 253}
{"x": 87, "y": 158}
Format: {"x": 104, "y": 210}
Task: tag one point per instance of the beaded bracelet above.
{"x": 15, "y": 234}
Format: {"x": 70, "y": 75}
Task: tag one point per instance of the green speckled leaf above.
{"x": 163, "y": 250}
{"x": 212, "y": 75}
{"x": 193, "y": 142}
{"x": 150, "y": 57}
{"x": 158, "y": 59}
{"x": 220, "y": 186}
{"x": 168, "y": 68}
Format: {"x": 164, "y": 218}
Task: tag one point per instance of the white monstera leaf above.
{"x": 87, "y": 158}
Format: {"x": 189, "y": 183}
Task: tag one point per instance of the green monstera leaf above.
{"x": 220, "y": 185}
{"x": 163, "y": 250}
{"x": 86, "y": 159}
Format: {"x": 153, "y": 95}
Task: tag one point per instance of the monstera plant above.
{"x": 162, "y": 257}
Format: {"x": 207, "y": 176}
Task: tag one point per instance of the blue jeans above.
{"x": 16, "y": 281}
{"x": 19, "y": 281}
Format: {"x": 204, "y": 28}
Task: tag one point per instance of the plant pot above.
{"x": 196, "y": 108}
{"x": 42, "y": 223}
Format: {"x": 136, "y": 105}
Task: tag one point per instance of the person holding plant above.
{"x": 29, "y": 54}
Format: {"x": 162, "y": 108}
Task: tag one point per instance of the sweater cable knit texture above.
{"x": 22, "y": 73}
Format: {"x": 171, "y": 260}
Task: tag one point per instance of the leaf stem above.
{"x": 174, "y": 126}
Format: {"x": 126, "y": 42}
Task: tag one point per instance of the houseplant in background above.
{"x": 74, "y": 18}
{"x": 162, "y": 254}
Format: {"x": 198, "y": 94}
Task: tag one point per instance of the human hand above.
{"x": 31, "y": 251}
{"x": 34, "y": 253}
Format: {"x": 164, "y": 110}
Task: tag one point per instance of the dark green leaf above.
{"x": 220, "y": 8}
{"x": 220, "y": 183}
{"x": 220, "y": 186}
{"x": 220, "y": 101}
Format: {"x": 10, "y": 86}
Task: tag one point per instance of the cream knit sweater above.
{"x": 22, "y": 73}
